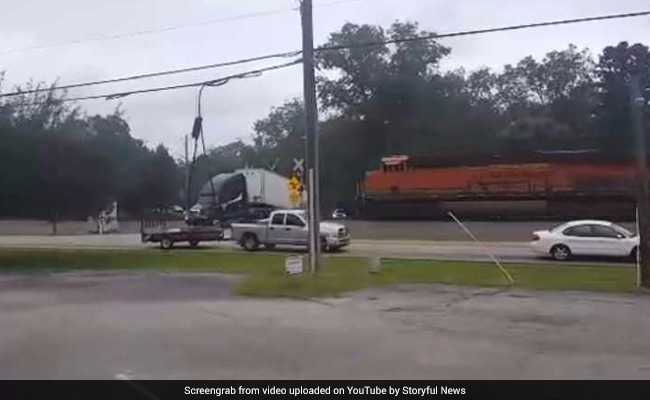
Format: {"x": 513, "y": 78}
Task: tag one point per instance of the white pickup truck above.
{"x": 288, "y": 227}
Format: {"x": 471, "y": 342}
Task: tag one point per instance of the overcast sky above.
{"x": 230, "y": 111}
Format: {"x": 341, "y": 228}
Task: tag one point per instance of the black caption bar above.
{"x": 163, "y": 390}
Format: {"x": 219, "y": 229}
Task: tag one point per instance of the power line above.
{"x": 434, "y": 36}
{"x": 180, "y": 70}
{"x": 154, "y": 74}
{"x": 165, "y": 29}
{"x": 144, "y": 32}
{"x": 336, "y": 48}
{"x": 210, "y": 83}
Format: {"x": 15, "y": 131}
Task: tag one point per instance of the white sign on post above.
{"x": 299, "y": 165}
{"x": 293, "y": 265}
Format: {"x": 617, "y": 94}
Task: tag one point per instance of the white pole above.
{"x": 313, "y": 238}
{"x": 638, "y": 252}
{"x": 464, "y": 228}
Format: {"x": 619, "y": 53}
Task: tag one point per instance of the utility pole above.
{"x": 643, "y": 190}
{"x": 187, "y": 175}
{"x": 311, "y": 132}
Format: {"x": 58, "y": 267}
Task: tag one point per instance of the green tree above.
{"x": 280, "y": 137}
{"x": 56, "y": 161}
{"x": 159, "y": 181}
{"x": 549, "y": 103}
{"x": 616, "y": 67}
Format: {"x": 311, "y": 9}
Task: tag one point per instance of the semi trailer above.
{"x": 241, "y": 196}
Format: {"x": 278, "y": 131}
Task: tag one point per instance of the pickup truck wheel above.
{"x": 325, "y": 246}
{"x": 250, "y": 243}
{"x": 194, "y": 243}
{"x": 166, "y": 243}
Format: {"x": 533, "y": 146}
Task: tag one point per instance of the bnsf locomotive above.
{"x": 560, "y": 184}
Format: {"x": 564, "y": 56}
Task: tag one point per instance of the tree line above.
{"x": 57, "y": 162}
{"x": 377, "y": 101}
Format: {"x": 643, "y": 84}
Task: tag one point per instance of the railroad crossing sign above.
{"x": 296, "y": 186}
{"x": 299, "y": 166}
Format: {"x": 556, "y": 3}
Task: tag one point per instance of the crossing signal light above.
{"x": 294, "y": 183}
{"x": 196, "y": 128}
{"x": 295, "y": 190}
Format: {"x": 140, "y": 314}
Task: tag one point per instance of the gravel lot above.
{"x": 174, "y": 326}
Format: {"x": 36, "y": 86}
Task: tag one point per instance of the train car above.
{"x": 546, "y": 185}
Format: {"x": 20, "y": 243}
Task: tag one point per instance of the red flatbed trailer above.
{"x": 168, "y": 232}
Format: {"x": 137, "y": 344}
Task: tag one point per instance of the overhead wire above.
{"x": 434, "y": 36}
{"x": 143, "y": 32}
{"x": 294, "y": 53}
{"x": 155, "y": 74}
{"x": 210, "y": 83}
{"x": 170, "y": 28}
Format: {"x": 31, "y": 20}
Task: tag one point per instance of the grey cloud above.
{"x": 232, "y": 109}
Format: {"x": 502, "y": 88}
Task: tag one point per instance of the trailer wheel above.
{"x": 194, "y": 243}
{"x": 166, "y": 243}
{"x": 250, "y": 242}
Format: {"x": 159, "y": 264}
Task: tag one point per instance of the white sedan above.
{"x": 585, "y": 238}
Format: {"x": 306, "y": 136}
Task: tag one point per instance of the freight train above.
{"x": 558, "y": 184}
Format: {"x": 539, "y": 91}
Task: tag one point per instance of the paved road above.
{"x": 414, "y": 249}
{"x": 519, "y": 231}
{"x": 376, "y": 248}
{"x": 171, "y": 326}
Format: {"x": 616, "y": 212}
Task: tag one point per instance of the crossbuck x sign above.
{"x": 299, "y": 165}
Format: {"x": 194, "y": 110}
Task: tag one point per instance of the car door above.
{"x": 277, "y": 232}
{"x": 296, "y": 229}
{"x": 609, "y": 241}
{"x": 579, "y": 239}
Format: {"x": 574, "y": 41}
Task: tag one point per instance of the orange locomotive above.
{"x": 553, "y": 184}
